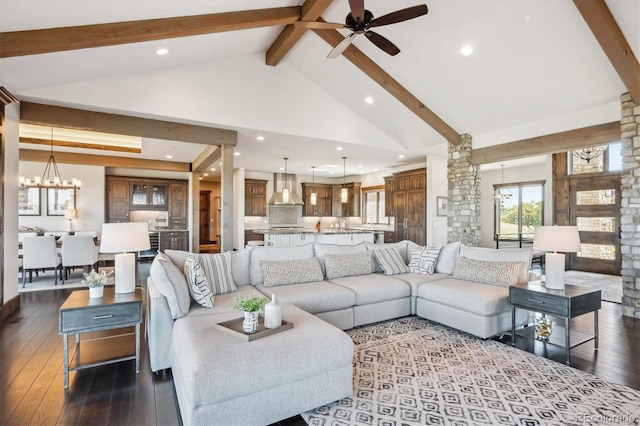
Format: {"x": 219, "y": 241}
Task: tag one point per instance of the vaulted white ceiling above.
{"x": 536, "y": 69}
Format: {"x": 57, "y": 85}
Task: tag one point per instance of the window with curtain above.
{"x": 517, "y": 214}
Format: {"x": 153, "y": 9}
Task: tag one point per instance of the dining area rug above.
{"x": 415, "y": 372}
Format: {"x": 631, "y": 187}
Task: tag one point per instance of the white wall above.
{"x": 90, "y": 199}
{"x": 437, "y": 186}
{"x": 10, "y": 217}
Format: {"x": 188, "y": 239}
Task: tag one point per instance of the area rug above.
{"x": 45, "y": 281}
{"x": 415, "y": 372}
{"x": 610, "y": 285}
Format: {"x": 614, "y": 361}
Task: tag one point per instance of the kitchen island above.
{"x": 287, "y": 237}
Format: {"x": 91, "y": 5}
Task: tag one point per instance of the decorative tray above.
{"x": 234, "y": 327}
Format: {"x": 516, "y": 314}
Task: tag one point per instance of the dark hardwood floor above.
{"x": 31, "y": 372}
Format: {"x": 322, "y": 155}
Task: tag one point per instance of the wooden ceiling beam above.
{"x": 311, "y": 10}
{"x": 70, "y": 118}
{"x": 32, "y": 42}
{"x": 548, "y": 144}
{"x": 104, "y": 160}
{"x": 605, "y": 29}
{"x": 206, "y": 158}
{"x": 81, "y": 145}
{"x": 388, "y": 83}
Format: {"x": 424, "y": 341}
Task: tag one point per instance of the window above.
{"x": 373, "y": 206}
{"x": 610, "y": 160}
{"x": 517, "y": 216}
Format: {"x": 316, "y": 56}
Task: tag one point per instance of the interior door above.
{"x": 205, "y": 216}
{"x": 416, "y": 216}
{"x": 594, "y": 207}
{"x": 401, "y": 216}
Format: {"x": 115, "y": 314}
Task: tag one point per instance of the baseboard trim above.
{"x": 10, "y": 307}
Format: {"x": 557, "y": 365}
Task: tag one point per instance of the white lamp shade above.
{"x": 70, "y": 214}
{"x": 124, "y": 237}
{"x": 565, "y": 239}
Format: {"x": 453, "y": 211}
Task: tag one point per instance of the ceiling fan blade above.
{"x": 357, "y": 9}
{"x": 319, "y": 25}
{"x": 400, "y": 15}
{"x": 342, "y": 46}
{"x": 382, "y": 42}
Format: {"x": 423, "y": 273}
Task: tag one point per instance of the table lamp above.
{"x": 70, "y": 214}
{"x": 125, "y": 238}
{"x": 556, "y": 239}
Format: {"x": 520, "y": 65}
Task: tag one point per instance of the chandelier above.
{"x": 46, "y": 180}
{"x": 588, "y": 154}
{"x": 500, "y": 194}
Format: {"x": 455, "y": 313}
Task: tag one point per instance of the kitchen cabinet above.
{"x": 324, "y": 200}
{"x": 406, "y": 192}
{"x": 255, "y": 197}
{"x": 178, "y": 200}
{"x": 148, "y": 195}
{"x": 352, "y": 207}
{"x": 117, "y": 200}
{"x": 174, "y": 240}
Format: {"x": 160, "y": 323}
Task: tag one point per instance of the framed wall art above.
{"x": 441, "y": 206}
{"x": 58, "y": 200}
{"x": 29, "y": 201}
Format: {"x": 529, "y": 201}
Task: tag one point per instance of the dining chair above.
{"x": 21, "y": 237}
{"x": 79, "y": 250}
{"x": 40, "y": 253}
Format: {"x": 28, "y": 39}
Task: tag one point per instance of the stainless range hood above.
{"x": 280, "y": 182}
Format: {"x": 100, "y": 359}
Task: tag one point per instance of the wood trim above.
{"x": 548, "y": 144}
{"x": 208, "y": 156}
{"x": 10, "y": 306}
{"x": 377, "y": 74}
{"x": 104, "y": 160}
{"x": 70, "y": 118}
{"x": 6, "y": 97}
{"x": 311, "y": 10}
{"x": 613, "y": 42}
{"x": 31, "y": 42}
{"x": 373, "y": 188}
{"x": 83, "y": 145}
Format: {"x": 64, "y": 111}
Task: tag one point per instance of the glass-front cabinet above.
{"x": 148, "y": 195}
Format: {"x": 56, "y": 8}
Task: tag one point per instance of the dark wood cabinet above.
{"x": 117, "y": 200}
{"x": 148, "y": 195}
{"x": 174, "y": 240}
{"x": 178, "y": 201}
{"x": 405, "y": 200}
{"x": 324, "y": 200}
{"x": 255, "y": 197}
{"x": 352, "y": 207}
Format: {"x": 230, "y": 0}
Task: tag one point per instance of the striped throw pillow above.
{"x": 423, "y": 260}
{"x": 391, "y": 261}
{"x": 217, "y": 269}
{"x": 198, "y": 284}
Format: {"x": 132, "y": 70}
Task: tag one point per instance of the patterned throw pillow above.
{"x": 198, "y": 284}
{"x": 391, "y": 261}
{"x": 347, "y": 265}
{"x": 217, "y": 269}
{"x": 501, "y": 274}
{"x": 423, "y": 260}
{"x": 282, "y": 272}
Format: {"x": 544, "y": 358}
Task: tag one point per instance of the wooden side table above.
{"x": 568, "y": 303}
{"x": 82, "y": 314}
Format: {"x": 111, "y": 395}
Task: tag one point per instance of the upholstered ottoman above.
{"x": 221, "y": 379}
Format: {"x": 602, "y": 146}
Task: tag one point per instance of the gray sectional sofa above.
{"x": 221, "y": 379}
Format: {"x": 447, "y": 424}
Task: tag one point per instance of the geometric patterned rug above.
{"x": 415, "y": 372}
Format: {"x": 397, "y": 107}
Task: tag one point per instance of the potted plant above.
{"x": 96, "y": 281}
{"x": 251, "y": 306}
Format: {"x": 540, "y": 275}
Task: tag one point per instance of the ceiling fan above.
{"x": 360, "y": 21}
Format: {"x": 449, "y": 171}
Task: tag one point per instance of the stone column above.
{"x": 630, "y": 206}
{"x": 463, "y": 209}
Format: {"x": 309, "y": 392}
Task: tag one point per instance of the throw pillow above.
{"x": 259, "y": 253}
{"x": 282, "y": 272}
{"x": 391, "y": 261}
{"x": 423, "y": 260}
{"x": 504, "y": 255}
{"x": 338, "y": 266}
{"x": 321, "y": 250}
{"x": 400, "y": 245}
{"x": 172, "y": 284}
{"x": 498, "y": 273}
{"x": 447, "y": 258}
{"x": 240, "y": 261}
{"x": 217, "y": 269}
{"x": 198, "y": 285}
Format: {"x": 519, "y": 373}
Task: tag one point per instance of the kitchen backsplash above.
{"x": 150, "y": 217}
{"x": 251, "y": 222}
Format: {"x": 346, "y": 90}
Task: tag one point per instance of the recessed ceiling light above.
{"x": 368, "y": 100}
{"x": 527, "y": 17}
{"x": 236, "y": 153}
{"x": 206, "y": 174}
{"x": 339, "y": 148}
{"x": 162, "y": 51}
{"x": 260, "y": 138}
{"x": 281, "y": 168}
{"x": 466, "y": 50}
{"x": 213, "y": 169}
{"x": 400, "y": 156}
{"x": 200, "y": 178}
{"x": 169, "y": 156}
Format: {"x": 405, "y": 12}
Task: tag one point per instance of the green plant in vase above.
{"x": 251, "y": 306}
{"x": 96, "y": 281}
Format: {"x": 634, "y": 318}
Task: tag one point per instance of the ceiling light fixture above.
{"x": 344, "y": 192}
{"x": 169, "y": 156}
{"x": 500, "y": 193}
{"x": 339, "y": 148}
{"x": 466, "y": 50}
{"x": 314, "y": 196}
{"x": 368, "y": 100}
{"x": 401, "y": 156}
{"x": 45, "y": 181}
{"x": 285, "y": 191}
{"x": 213, "y": 169}
{"x": 260, "y": 138}
{"x": 588, "y": 154}
{"x": 162, "y": 51}
{"x": 236, "y": 153}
